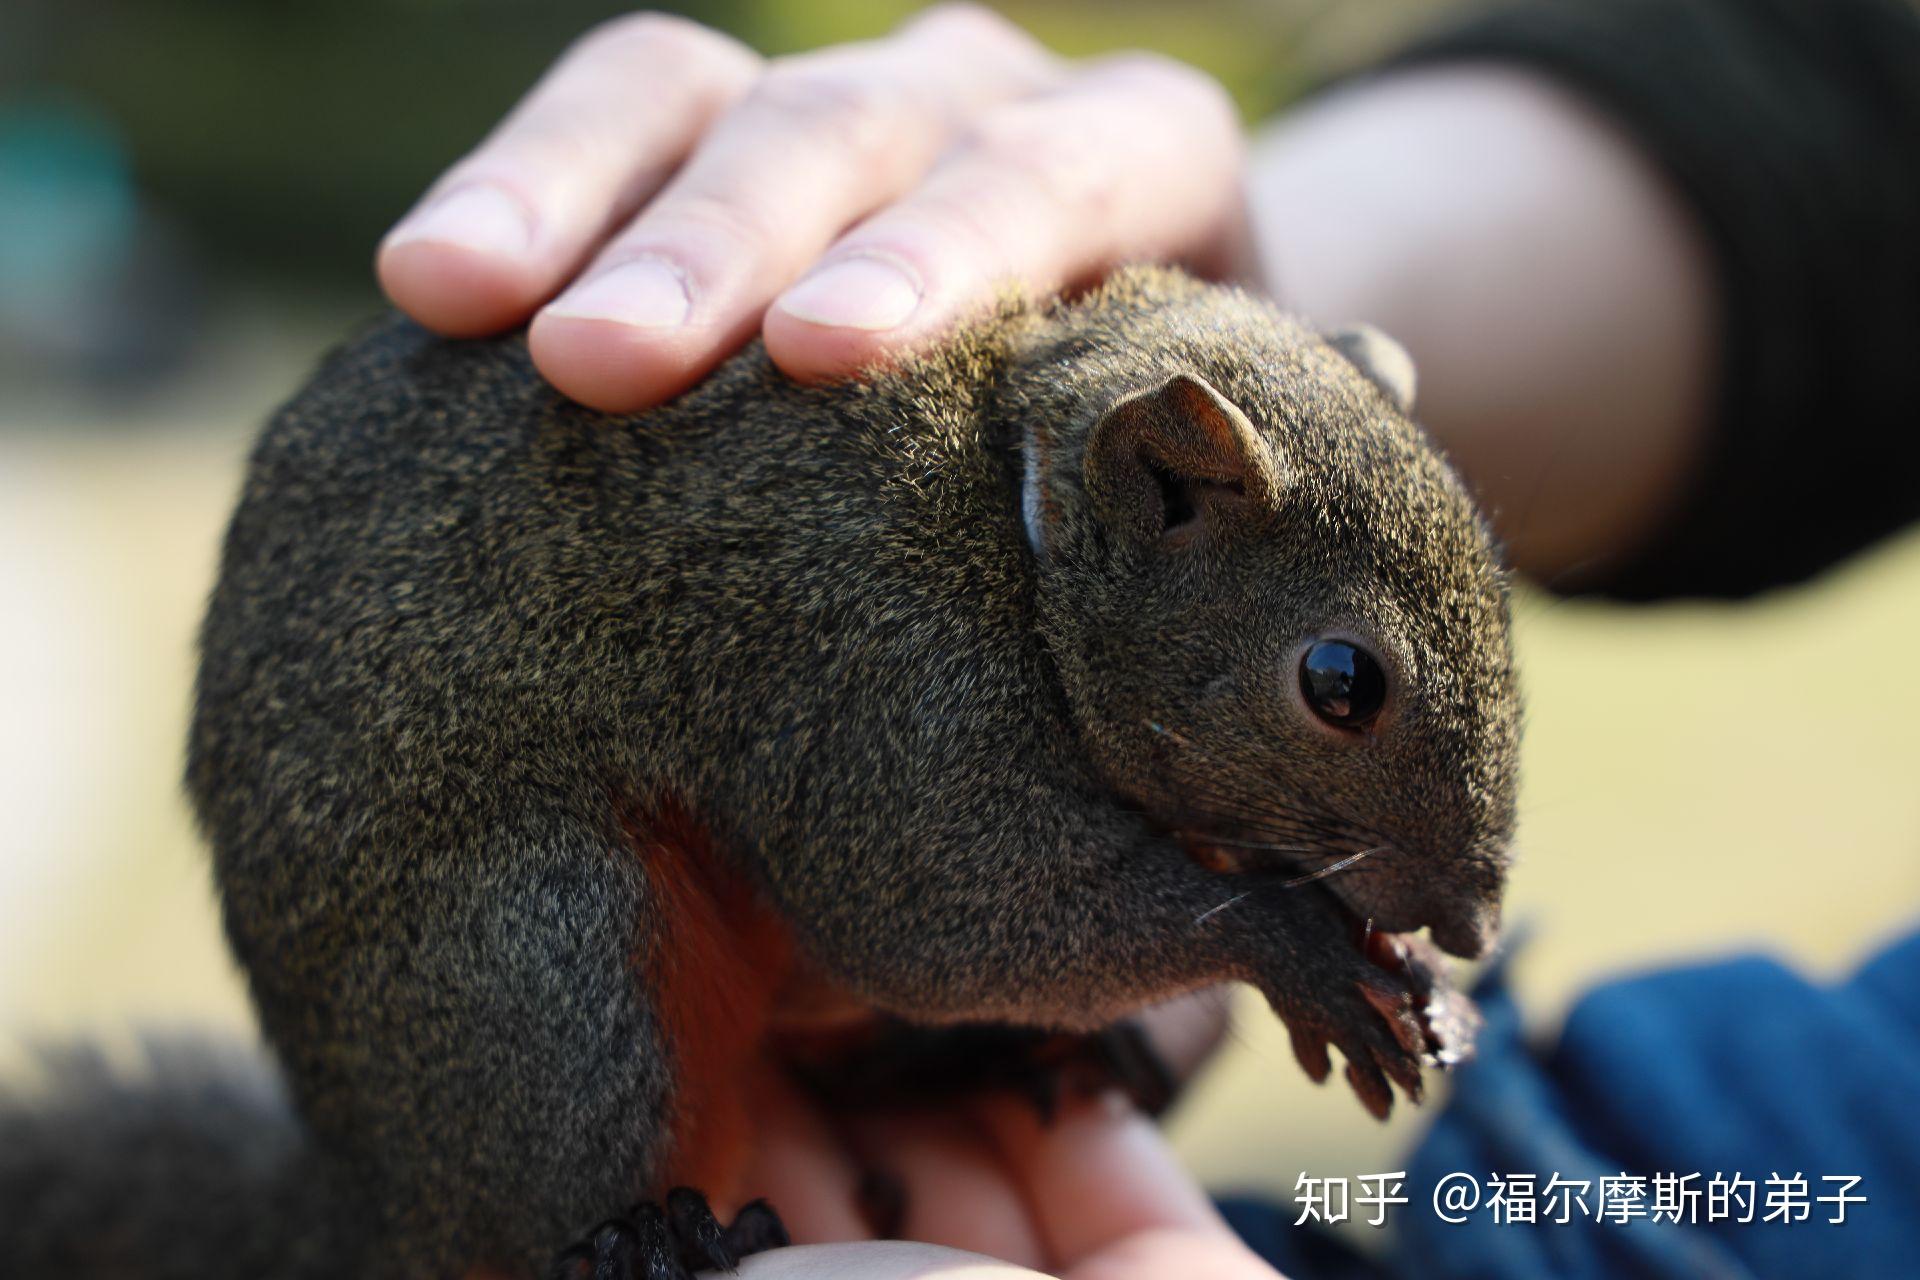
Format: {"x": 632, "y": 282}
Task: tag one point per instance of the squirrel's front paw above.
{"x": 670, "y": 1241}
{"x": 1388, "y": 1006}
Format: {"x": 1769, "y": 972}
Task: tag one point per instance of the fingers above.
{"x": 1100, "y": 1183}
{"x": 801, "y": 1165}
{"x": 1100, "y": 1173}
{"x": 683, "y": 187}
{"x": 1136, "y": 158}
{"x": 958, "y": 1192}
{"x": 600, "y": 133}
{"x": 817, "y": 142}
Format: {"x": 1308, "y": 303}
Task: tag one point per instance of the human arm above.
{"x": 1655, "y": 262}
{"x": 1556, "y": 297}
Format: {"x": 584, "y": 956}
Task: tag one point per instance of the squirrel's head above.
{"x": 1278, "y": 618}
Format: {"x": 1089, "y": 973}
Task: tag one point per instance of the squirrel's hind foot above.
{"x": 670, "y": 1240}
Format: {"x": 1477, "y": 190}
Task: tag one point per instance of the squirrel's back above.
{"x": 437, "y": 555}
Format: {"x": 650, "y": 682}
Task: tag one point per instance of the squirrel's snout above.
{"x": 1459, "y": 908}
{"x": 1469, "y": 933}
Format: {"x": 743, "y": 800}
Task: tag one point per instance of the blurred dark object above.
{"x": 1792, "y": 130}
{"x": 93, "y": 287}
{"x": 287, "y": 137}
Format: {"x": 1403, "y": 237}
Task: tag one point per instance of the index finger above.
{"x": 1135, "y": 158}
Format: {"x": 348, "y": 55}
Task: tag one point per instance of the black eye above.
{"x": 1343, "y": 683}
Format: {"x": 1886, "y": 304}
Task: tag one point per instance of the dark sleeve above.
{"x": 1737, "y": 1072}
{"x": 1792, "y": 128}
{"x": 1688, "y": 1094}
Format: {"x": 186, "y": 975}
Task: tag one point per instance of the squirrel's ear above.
{"x": 1385, "y": 362}
{"x": 1176, "y": 459}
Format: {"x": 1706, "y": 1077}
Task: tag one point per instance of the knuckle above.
{"x": 988, "y": 48}
{"x": 964, "y": 19}
{"x": 855, "y": 112}
{"x": 1030, "y": 146}
{"x": 551, "y": 144}
{"x": 959, "y": 231}
{"x": 746, "y": 227}
{"x": 669, "y": 40}
{"x": 1057, "y": 179}
{"x": 1169, "y": 79}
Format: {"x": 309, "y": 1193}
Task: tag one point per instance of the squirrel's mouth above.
{"x": 1401, "y": 977}
{"x": 1447, "y": 1018}
{"x": 1459, "y": 926}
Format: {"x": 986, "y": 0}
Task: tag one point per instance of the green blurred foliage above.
{"x": 286, "y": 136}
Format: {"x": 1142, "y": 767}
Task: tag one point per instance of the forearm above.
{"x": 1553, "y": 291}
{"x": 1656, "y": 260}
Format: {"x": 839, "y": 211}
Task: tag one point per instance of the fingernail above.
{"x": 864, "y": 292}
{"x": 645, "y": 292}
{"x": 484, "y": 219}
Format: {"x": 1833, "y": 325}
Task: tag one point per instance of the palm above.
{"x": 1094, "y": 1195}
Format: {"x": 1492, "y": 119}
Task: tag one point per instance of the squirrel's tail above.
{"x": 191, "y": 1166}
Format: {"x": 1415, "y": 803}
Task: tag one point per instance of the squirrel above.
{"x": 555, "y": 764}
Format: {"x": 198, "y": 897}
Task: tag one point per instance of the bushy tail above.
{"x": 188, "y": 1166}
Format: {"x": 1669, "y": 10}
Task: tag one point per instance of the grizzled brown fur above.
{"x": 466, "y": 634}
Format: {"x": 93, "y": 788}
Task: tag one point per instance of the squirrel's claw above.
{"x": 756, "y": 1229}
{"x": 1370, "y": 1087}
{"x": 655, "y": 1243}
{"x": 702, "y": 1240}
{"x": 1383, "y": 999}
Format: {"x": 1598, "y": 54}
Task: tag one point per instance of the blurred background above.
{"x": 189, "y": 198}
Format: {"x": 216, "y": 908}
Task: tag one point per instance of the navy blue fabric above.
{"x": 1735, "y": 1067}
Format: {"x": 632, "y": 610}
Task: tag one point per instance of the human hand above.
{"x": 663, "y": 193}
{"x": 1096, "y": 1195}
{"x": 989, "y": 1191}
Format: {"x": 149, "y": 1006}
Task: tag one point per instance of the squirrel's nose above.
{"x": 1469, "y": 932}
{"x": 1459, "y": 905}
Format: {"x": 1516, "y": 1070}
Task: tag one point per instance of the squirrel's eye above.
{"x": 1342, "y": 683}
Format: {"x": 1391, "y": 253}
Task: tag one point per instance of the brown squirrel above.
{"x": 553, "y": 764}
